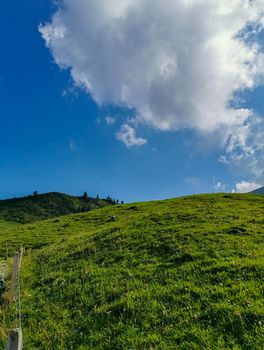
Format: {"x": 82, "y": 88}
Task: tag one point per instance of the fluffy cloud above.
{"x": 179, "y": 64}
{"x": 220, "y": 187}
{"x": 110, "y": 120}
{"x": 127, "y": 135}
{"x": 245, "y": 149}
{"x": 246, "y": 186}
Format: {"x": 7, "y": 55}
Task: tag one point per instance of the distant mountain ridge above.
{"x": 259, "y": 190}
{"x": 48, "y": 205}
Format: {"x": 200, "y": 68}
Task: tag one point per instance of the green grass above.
{"x": 45, "y": 206}
{"x": 6, "y": 225}
{"x": 185, "y": 273}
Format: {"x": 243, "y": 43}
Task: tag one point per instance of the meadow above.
{"x": 185, "y": 273}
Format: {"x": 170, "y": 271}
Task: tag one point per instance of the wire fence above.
{"x": 14, "y": 341}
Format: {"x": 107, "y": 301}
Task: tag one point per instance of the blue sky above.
{"x": 54, "y": 131}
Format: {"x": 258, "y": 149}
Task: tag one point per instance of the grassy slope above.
{"x": 178, "y": 274}
{"x": 7, "y": 229}
{"x": 45, "y": 206}
{"x": 6, "y": 225}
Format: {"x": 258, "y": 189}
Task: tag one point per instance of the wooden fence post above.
{"x": 12, "y": 292}
{"x": 20, "y": 257}
{"x": 14, "y": 341}
{"x": 6, "y": 250}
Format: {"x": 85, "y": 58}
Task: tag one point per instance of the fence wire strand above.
{"x": 19, "y": 308}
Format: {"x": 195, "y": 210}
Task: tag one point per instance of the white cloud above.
{"x": 110, "y": 120}
{"x": 72, "y": 145}
{"x": 193, "y": 181}
{"x": 220, "y": 187}
{"x": 245, "y": 149}
{"x": 246, "y": 186}
{"x": 127, "y": 135}
{"x": 177, "y": 63}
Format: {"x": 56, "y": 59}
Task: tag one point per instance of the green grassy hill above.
{"x": 45, "y": 206}
{"x": 6, "y": 225}
{"x": 185, "y": 273}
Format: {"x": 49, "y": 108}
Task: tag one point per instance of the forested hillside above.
{"x": 44, "y": 206}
